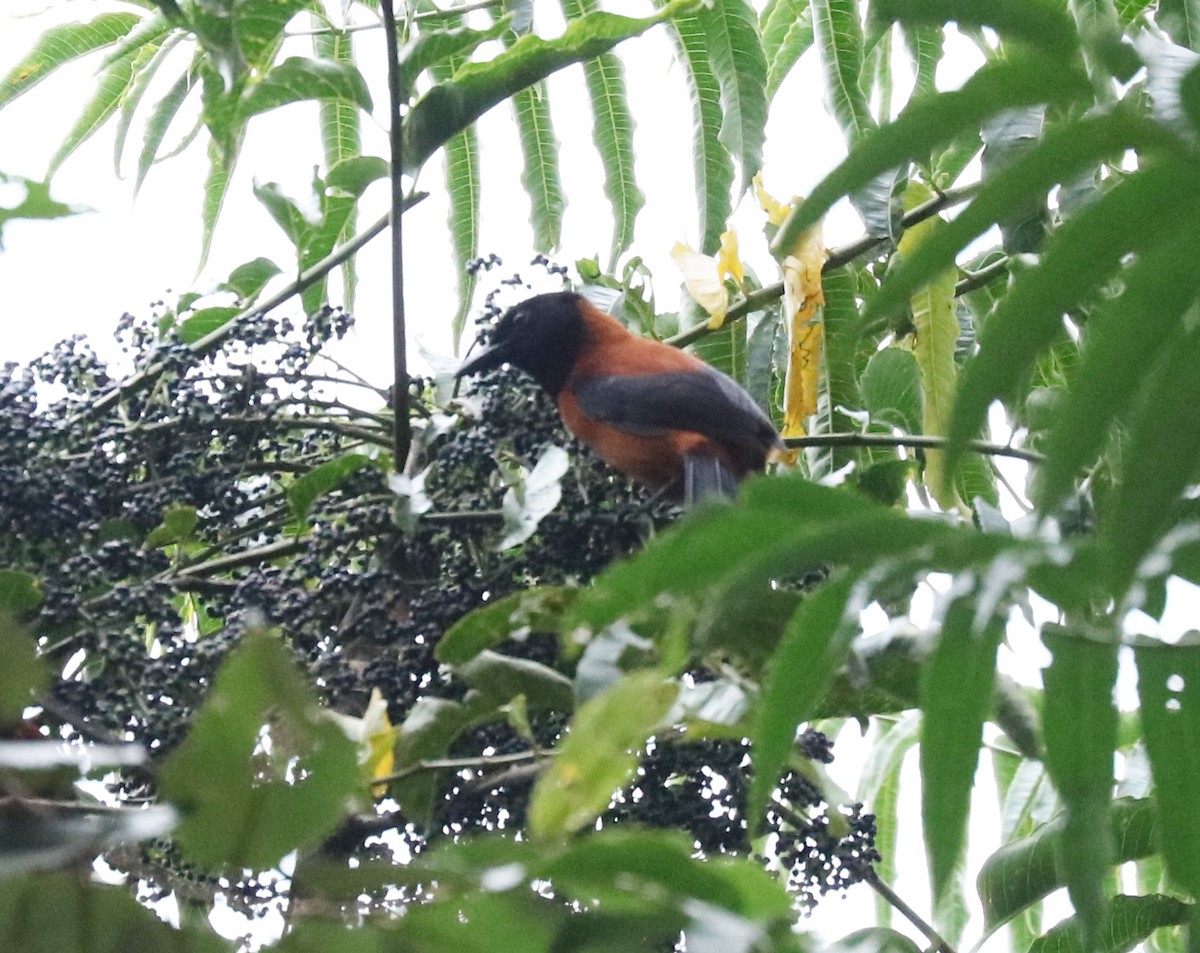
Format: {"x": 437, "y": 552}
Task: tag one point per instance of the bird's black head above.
{"x": 543, "y": 336}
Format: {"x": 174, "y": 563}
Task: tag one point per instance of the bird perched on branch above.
{"x": 655, "y": 413}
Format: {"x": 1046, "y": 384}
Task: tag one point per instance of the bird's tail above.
{"x": 705, "y": 476}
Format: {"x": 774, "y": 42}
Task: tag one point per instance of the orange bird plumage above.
{"x": 654, "y": 412}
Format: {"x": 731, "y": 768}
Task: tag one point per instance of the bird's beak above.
{"x": 491, "y": 357}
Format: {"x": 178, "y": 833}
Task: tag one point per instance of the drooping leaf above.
{"x": 1080, "y": 721}
{"x": 1169, "y": 689}
{"x": 1125, "y": 334}
{"x": 1083, "y": 252}
{"x": 735, "y": 54}
{"x": 787, "y": 32}
{"x": 539, "y": 171}
{"x": 936, "y": 337}
{"x": 297, "y": 79}
{"x": 70, "y": 913}
{"x": 145, "y": 67}
{"x": 501, "y": 678}
{"x": 711, "y": 161}
{"x": 1153, "y": 474}
{"x": 442, "y": 47}
{"x": 1006, "y": 136}
{"x": 928, "y": 123}
{"x": 599, "y": 753}
{"x": 1023, "y": 872}
{"x": 304, "y": 491}
{"x": 527, "y": 502}
{"x": 613, "y": 133}
{"x": 1038, "y": 24}
{"x": 242, "y": 804}
{"x": 838, "y": 35}
{"x": 925, "y": 44}
{"x": 60, "y": 45}
{"x": 1180, "y": 19}
{"x": 23, "y": 676}
{"x": 514, "y": 617}
{"x": 159, "y": 121}
{"x": 1128, "y": 922}
{"x": 812, "y": 646}
{"x": 954, "y": 703}
{"x": 879, "y": 791}
{"x": 450, "y": 107}
{"x": 891, "y": 387}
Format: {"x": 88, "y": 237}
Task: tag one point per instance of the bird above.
{"x": 653, "y": 412}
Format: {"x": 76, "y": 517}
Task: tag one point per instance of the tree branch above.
{"x": 890, "y": 895}
{"x": 401, "y": 425}
{"x": 838, "y": 257}
{"x": 147, "y": 375}
{"x": 926, "y": 441}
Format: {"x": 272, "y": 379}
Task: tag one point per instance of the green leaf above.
{"x": 955, "y": 693}
{"x": 1153, "y": 475}
{"x": 35, "y": 202}
{"x": 813, "y": 646}
{"x": 876, "y": 940}
{"x": 340, "y": 135}
{"x": 23, "y": 677}
{"x": 1084, "y": 251}
{"x": 711, "y": 161}
{"x": 1035, "y": 22}
{"x": 258, "y": 29}
{"x": 787, "y": 33}
{"x": 843, "y": 343}
{"x": 539, "y": 171}
{"x": 1124, "y": 336}
{"x": 1169, "y": 689}
{"x": 178, "y": 526}
{"x": 926, "y": 124}
{"x": 735, "y": 54}
{"x": 501, "y": 678}
{"x": 69, "y": 913}
{"x": 838, "y": 32}
{"x": 925, "y": 45}
{"x": 1007, "y": 136}
{"x": 1023, "y": 872}
{"x": 145, "y": 67}
{"x": 613, "y": 135}
{"x": 450, "y": 107}
{"x": 1129, "y": 921}
{"x": 244, "y": 805}
{"x": 60, "y": 45}
{"x": 306, "y": 490}
{"x": 462, "y": 183}
{"x": 1180, "y": 20}
{"x": 1080, "y": 723}
{"x": 937, "y": 331}
{"x": 216, "y": 188}
{"x": 599, "y": 754}
{"x": 515, "y": 616}
{"x": 879, "y": 791}
{"x": 19, "y": 592}
{"x": 891, "y": 388}
{"x": 297, "y": 79}
{"x": 204, "y": 321}
{"x": 780, "y": 526}
{"x": 248, "y": 279}
{"x": 452, "y": 47}
{"x": 114, "y": 84}
{"x": 159, "y": 121}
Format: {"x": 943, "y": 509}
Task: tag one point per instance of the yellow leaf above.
{"x": 702, "y": 278}
{"x": 802, "y": 299}
{"x": 729, "y": 265}
{"x": 375, "y": 736}
{"x": 776, "y": 210}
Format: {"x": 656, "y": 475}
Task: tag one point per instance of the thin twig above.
{"x": 984, "y": 276}
{"x": 401, "y": 425}
{"x": 461, "y": 764}
{"x": 890, "y": 895}
{"x": 147, "y": 375}
{"x": 838, "y": 257}
{"x": 926, "y": 441}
